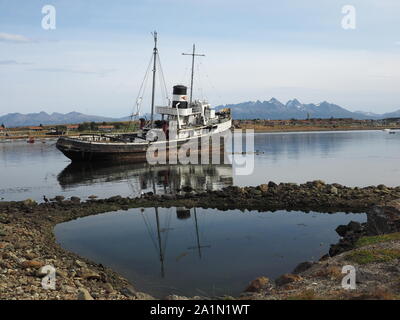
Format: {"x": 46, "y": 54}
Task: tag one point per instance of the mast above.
{"x": 155, "y": 51}
{"x": 159, "y": 243}
{"x": 197, "y": 233}
{"x": 199, "y": 246}
{"x": 193, "y": 54}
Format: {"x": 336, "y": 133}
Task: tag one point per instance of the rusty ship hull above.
{"x": 84, "y": 151}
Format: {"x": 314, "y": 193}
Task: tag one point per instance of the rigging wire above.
{"x": 200, "y": 83}
{"x": 142, "y": 90}
{"x": 162, "y": 80}
{"x": 163, "y": 91}
{"x": 185, "y": 74}
{"x": 209, "y": 82}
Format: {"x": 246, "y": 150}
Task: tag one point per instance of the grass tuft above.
{"x": 365, "y": 241}
{"x": 373, "y": 255}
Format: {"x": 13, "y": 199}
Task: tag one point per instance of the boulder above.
{"x": 30, "y": 255}
{"x": 256, "y": 192}
{"x": 32, "y": 264}
{"x": 75, "y": 199}
{"x": 129, "y": 292}
{"x": 354, "y": 226}
{"x": 114, "y": 199}
{"x": 263, "y": 187}
{"x": 258, "y": 284}
{"x": 90, "y": 275}
{"x": 83, "y": 294}
{"x": 333, "y": 190}
{"x": 318, "y": 184}
{"x": 29, "y": 202}
{"x": 272, "y": 184}
{"x": 287, "y": 278}
{"x": 303, "y": 266}
{"x": 80, "y": 263}
{"x": 341, "y": 230}
{"x": 59, "y": 198}
{"x": 108, "y": 287}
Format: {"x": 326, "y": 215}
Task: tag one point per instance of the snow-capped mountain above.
{"x": 294, "y": 109}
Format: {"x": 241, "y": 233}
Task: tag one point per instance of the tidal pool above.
{"x": 200, "y": 251}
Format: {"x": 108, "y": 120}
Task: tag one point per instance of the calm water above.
{"x": 204, "y": 251}
{"x": 235, "y": 247}
{"x": 350, "y": 158}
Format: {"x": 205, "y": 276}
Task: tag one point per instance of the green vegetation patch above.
{"x": 365, "y": 241}
{"x": 373, "y": 255}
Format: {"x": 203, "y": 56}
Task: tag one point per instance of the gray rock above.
{"x": 341, "y": 230}
{"x": 354, "y": 226}
{"x": 108, "y": 287}
{"x": 75, "y": 199}
{"x": 129, "y": 292}
{"x": 80, "y": 263}
{"x": 83, "y": 294}
{"x": 333, "y": 190}
{"x": 272, "y": 184}
{"x": 303, "y": 266}
{"x": 59, "y": 198}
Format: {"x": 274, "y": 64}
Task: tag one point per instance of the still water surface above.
{"x": 350, "y": 158}
{"x": 201, "y": 251}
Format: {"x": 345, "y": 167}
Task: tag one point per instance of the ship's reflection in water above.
{"x": 181, "y": 214}
{"x": 160, "y": 179}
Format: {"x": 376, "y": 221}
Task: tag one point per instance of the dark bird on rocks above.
{"x": 45, "y": 199}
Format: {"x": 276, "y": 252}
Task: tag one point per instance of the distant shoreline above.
{"x": 317, "y": 129}
{"x": 258, "y": 125}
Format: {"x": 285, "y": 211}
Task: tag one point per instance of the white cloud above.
{"x": 77, "y": 70}
{"x": 12, "y": 63}
{"x": 16, "y": 38}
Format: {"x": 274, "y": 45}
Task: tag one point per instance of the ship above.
{"x": 183, "y": 121}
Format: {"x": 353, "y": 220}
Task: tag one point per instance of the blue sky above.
{"x": 95, "y": 59}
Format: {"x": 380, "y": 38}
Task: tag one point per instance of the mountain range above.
{"x": 272, "y": 109}
{"x": 294, "y": 109}
{"x": 35, "y": 119}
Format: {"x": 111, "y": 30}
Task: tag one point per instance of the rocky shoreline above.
{"x": 27, "y": 242}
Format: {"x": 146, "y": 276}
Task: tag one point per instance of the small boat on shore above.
{"x": 183, "y": 121}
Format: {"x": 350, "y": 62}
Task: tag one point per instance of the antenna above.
{"x": 193, "y": 54}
